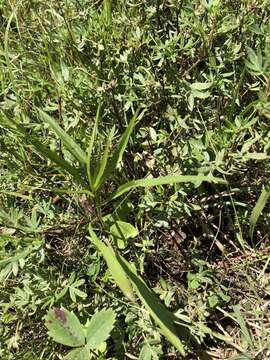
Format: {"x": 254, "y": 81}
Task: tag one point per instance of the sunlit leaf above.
{"x": 82, "y": 353}
{"x": 164, "y": 180}
{"x": 91, "y": 147}
{"x": 67, "y": 140}
{"x": 99, "y": 328}
{"x": 118, "y": 153}
{"x": 122, "y": 231}
{"x": 103, "y": 161}
{"x": 256, "y": 212}
{"x": 163, "y": 318}
{"x": 64, "y": 327}
{"x": 114, "y": 267}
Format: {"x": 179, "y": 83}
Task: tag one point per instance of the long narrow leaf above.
{"x": 54, "y": 157}
{"x": 163, "y": 180}
{"x": 123, "y": 273}
{"x": 103, "y": 161}
{"x": 118, "y": 153}
{"x": 44, "y": 151}
{"x": 114, "y": 267}
{"x": 242, "y": 323}
{"x": 107, "y": 11}
{"x": 260, "y": 204}
{"x": 163, "y": 318}
{"x": 90, "y": 148}
{"x": 69, "y": 143}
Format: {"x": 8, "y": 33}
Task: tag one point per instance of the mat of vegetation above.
{"x": 134, "y": 179}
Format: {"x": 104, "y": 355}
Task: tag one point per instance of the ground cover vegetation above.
{"x": 134, "y": 179}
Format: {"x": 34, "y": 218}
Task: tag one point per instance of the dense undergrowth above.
{"x": 97, "y": 94}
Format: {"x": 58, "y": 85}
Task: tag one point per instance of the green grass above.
{"x": 148, "y": 121}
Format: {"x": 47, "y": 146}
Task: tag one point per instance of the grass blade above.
{"x": 163, "y": 180}
{"x": 44, "y": 151}
{"x": 103, "y": 161}
{"x": 118, "y": 153}
{"x": 16, "y": 194}
{"x": 123, "y": 273}
{"x": 256, "y": 212}
{"x": 163, "y": 318}
{"x": 242, "y": 323}
{"x": 54, "y": 157}
{"x": 70, "y": 144}
{"x": 114, "y": 267}
{"x": 90, "y": 148}
{"x": 107, "y": 11}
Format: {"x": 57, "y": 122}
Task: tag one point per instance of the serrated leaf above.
{"x": 64, "y": 327}
{"x": 99, "y": 328}
{"x": 69, "y": 143}
{"x": 65, "y": 70}
{"x": 82, "y": 353}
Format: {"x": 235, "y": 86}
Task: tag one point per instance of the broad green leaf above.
{"x": 118, "y": 153}
{"x": 82, "y": 353}
{"x": 122, "y": 231}
{"x": 164, "y": 180}
{"x": 114, "y": 267}
{"x": 64, "y": 327}
{"x": 91, "y": 147}
{"x": 265, "y": 194}
{"x": 163, "y": 318}
{"x": 69, "y": 143}
{"x": 99, "y": 328}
